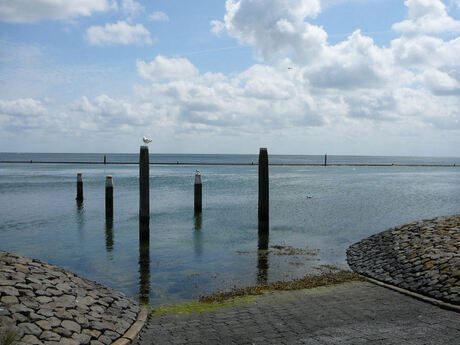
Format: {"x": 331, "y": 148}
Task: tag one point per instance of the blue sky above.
{"x": 374, "y": 77}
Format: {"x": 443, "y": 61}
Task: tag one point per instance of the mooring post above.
{"x": 109, "y": 196}
{"x": 263, "y": 199}
{"x": 79, "y": 197}
{"x": 144, "y": 195}
{"x": 144, "y": 272}
{"x": 105, "y": 159}
{"x": 325, "y": 159}
{"x": 198, "y": 193}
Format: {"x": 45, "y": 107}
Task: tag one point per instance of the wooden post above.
{"x": 144, "y": 194}
{"x": 109, "y": 197}
{"x": 79, "y": 197}
{"x": 144, "y": 272}
{"x": 325, "y": 159}
{"x": 105, "y": 159}
{"x": 198, "y": 193}
{"x": 263, "y": 199}
{"x": 262, "y": 268}
{"x": 109, "y": 234}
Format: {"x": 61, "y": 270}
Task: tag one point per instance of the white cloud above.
{"x": 426, "y": 16}
{"x": 30, "y": 11}
{"x": 131, "y": 8}
{"x": 164, "y": 68}
{"x": 159, "y": 16}
{"x": 22, "y": 107}
{"x": 23, "y": 114}
{"x": 118, "y": 33}
{"x": 274, "y": 28}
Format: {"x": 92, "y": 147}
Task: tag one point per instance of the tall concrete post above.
{"x": 198, "y": 193}
{"x": 144, "y": 194}
{"x": 109, "y": 196}
{"x": 263, "y": 199}
{"x": 79, "y": 197}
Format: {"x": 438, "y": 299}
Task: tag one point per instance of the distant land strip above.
{"x": 241, "y": 164}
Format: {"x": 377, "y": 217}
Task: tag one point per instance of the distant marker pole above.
{"x": 109, "y": 196}
{"x": 198, "y": 193}
{"x": 144, "y": 195}
{"x": 79, "y": 197}
{"x": 105, "y": 159}
{"x": 263, "y": 199}
{"x": 325, "y": 160}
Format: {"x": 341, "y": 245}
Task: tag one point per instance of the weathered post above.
{"x": 144, "y": 195}
{"x": 109, "y": 196}
{"x": 263, "y": 199}
{"x": 109, "y": 235}
{"x": 325, "y": 160}
{"x": 79, "y": 197}
{"x": 198, "y": 193}
{"x": 144, "y": 272}
{"x": 105, "y": 159}
{"x": 262, "y": 267}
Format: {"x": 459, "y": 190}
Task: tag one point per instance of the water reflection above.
{"x": 80, "y": 216}
{"x": 262, "y": 267}
{"x": 197, "y": 235}
{"x": 109, "y": 234}
{"x": 198, "y": 220}
{"x": 144, "y": 272}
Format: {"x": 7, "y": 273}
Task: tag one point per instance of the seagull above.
{"x": 146, "y": 140}
{"x": 290, "y": 67}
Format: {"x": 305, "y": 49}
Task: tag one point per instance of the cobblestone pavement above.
{"x": 44, "y": 304}
{"x": 423, "y": 256}
{"x": 351, "y": 313}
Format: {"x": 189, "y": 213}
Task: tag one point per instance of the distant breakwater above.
{"x": 422, "y": 256}
{"x": 239, "y": 164}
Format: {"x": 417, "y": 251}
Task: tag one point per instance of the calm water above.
{"x": 188, "y": 257}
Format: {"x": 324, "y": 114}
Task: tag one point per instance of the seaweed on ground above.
{"x": 307, "y": 282}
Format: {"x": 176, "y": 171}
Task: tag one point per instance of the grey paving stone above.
{"x": 353, "y": 313}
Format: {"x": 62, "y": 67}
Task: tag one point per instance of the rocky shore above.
{"x": 423, "y": 257}
{"x": 44, "y": 304}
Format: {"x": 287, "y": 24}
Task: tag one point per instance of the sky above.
{"x": 347, "y": 77}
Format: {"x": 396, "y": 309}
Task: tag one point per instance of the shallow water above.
{"x": 188, "y": 256}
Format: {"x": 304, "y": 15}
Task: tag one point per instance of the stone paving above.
{"x": 350, "y": 313}
{"x": 422, "y": 257}
{"x": 45, "y": 304}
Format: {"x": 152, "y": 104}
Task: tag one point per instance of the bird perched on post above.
{"x": 146, "y": 140}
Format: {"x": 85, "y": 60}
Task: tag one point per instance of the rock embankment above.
{"x": 44, "y": 304}
{"x": 422, "y": 257}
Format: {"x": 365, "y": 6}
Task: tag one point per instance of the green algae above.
{"x": 199, "y": 307}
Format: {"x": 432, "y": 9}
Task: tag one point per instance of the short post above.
{"x": 198, "y": 193}
{"x": 263, "y": 199}
{"x": 144, "y": 195}
{"x": 325, "y": 159}
{"x": 105, "y": 159}
{"x": 79, "y": 197}
{"x": 109, "y": 196}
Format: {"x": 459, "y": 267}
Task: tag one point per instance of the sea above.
{"x": 316, "y": 213}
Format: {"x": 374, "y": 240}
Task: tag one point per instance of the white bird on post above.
{"x": 146, "y": 140}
